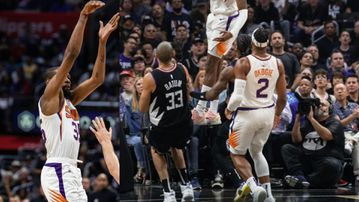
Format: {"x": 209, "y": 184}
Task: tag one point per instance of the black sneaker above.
{"x": 298, "y": 181}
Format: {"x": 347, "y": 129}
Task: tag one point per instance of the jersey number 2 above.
{"x": 259, "y": 91}
{"x": 175, "y": 100}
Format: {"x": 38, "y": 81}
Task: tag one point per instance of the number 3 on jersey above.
{"x": 259, "y": 92}
{"x": 175, "y": 100}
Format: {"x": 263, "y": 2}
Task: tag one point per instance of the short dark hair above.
{"x": 261, "y": 35}
{"x": 320, "y": 72}
{"x": 338, "y": 74}
{"x": 352, "y": 76}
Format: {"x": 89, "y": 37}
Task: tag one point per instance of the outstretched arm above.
{"x": 225, "y": 76}
{"x": 50, "y": 101}
{"x": 98, "y": 72}
{"x": 104, "y": 138}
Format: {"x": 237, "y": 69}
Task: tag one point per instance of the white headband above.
{"x": 256, "y": 43}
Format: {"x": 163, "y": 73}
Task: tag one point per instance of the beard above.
{"x": 67, "y": 92}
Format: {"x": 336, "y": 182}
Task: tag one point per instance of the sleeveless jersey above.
{"x": 224, "y": 7}
{"x": 61, "y": 132}
{"x": 261, "y": 82}
{"x": 169, "y": 102}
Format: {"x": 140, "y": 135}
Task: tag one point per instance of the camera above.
{"x": 306, "y": 103}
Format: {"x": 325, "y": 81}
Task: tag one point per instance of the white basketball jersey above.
{"x": 61, "y": 132}
{"x": 224, "y": 7}
{"x": 261, "y": 82}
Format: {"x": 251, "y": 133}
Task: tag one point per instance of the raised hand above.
{"x": 106, "y": 30}
{"x": 102, "y": 134}
{"x": 91, "y": 7}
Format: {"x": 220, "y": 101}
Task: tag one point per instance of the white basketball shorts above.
{"x": 218, "y": 23}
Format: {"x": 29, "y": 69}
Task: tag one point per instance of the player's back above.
{"x": 169, "y": 102}
{"x": 61, "y": 132}
{"x": 261, "y": 82}
{"x": 225, "y": 7}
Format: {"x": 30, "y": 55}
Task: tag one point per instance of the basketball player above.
{"x": 104, "y": 138}
{"x": 257, "y": 76}
{"x": 165, "y": 97}
{"x": 223, "y": 25}
{"x": 60, "y": 177}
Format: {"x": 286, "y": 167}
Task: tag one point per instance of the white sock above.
{"x": 268, "y": 188}
{"x": 202, "y": 104}
{"x": 251, "y": 182}
{"x": 214, "y": 106}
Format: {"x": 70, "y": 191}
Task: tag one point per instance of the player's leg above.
{"x": 260, "y": 138}
{"x": 181, "y": 137}
{"x": 186, "y": 186}
{"x": 241, "y": 135}
{"x": 157, "y": 140}
{"x": 161, "y": 167}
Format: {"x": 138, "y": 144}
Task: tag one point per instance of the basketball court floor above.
{"x": 154, "y": 193}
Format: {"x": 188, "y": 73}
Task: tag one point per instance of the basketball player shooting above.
{"x": 60, "y": 177}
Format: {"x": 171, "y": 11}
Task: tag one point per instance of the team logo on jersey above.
{"x": 71, "y": 113}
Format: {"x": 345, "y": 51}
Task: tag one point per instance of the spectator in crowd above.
{"x": 306, "y": 61}
{"x": 266, "y": 12}
{"x": 200, "y": 11}
{"x": 328, "y": 42}
{"x": 191, "y": 59}
{"x": 134, "y": 137}
{"x": 298, "y": 50}
{"x": 127, "y": 79}
{"x": 338, "y": 77}
{"x": 321, "y": 84}
{"x": 181, "y": 42}
{"x": 352, "y": 85}
{"x": 175, "y": 18}
{"x": 311, "y": 16}
{"x": 290, "y": 62}
{"x": 349, "y": 52}
{"x": 348, "y": 113}
{"x": 125, "y": 58}
{"x": 337, "y": 64}
{"x": 313, "y": 49}
{"x": 316, "y": 160}
{"x": 102, "y": 191}
{"x": 307, "y": 72}
{"x": 149, "y": 54}
{"x": 150, "y": 34}
{"x": 139, "y": 66}
{"x": 157, "y": 14}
